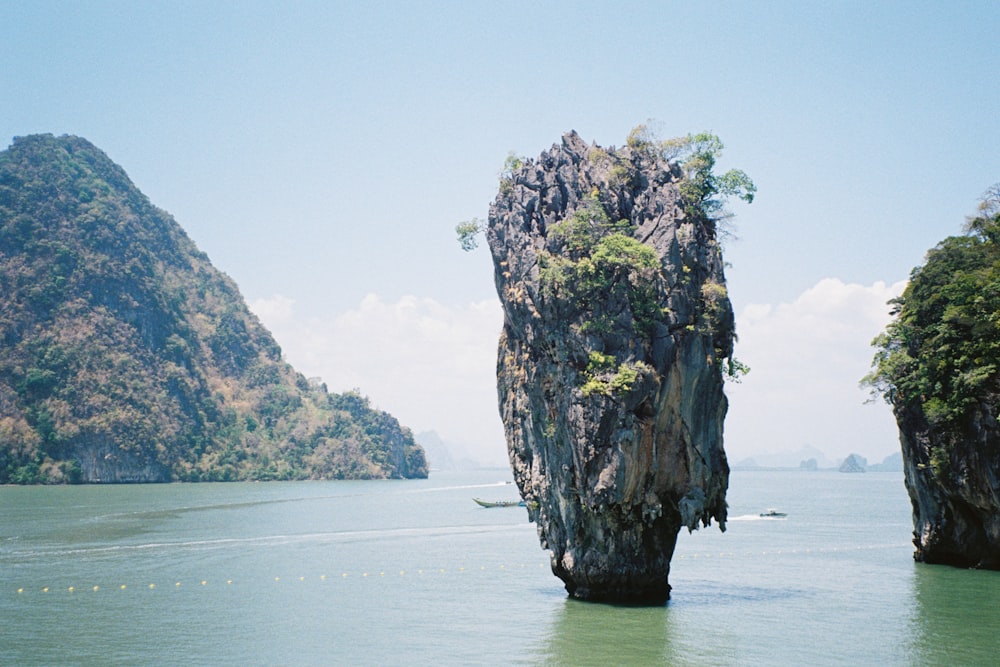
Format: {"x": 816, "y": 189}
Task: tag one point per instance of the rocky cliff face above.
{"x": 936, "y": 365}
{"x": 954, "y": 488}
{"x": 125, "y": 356}
{"x": 616, "y": 331}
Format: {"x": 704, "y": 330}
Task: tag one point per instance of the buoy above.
{"x": 123, "y": 587}
{"x": 20, "y": 590}
{"x": 71, "y": 589}
{"x": 177, "y": 585}
{"x": 229, "y": 581}
{"x": 204, "y": 583}
{"x": 97, "y": 588}
{"x": 152, "y": 586}
{"x": 45, "y": 590}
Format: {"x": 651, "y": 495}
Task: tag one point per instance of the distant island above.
{"x": 127, "y": 357}
{"x": 809, "y": 459}
{"x": 853, "y": 463}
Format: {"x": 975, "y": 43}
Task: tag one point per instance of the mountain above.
{"x": 891, "y": 463}
{"x": 437, "y": 452}
{"x": 796, "y": 459}
{"x": 127, "y": 357}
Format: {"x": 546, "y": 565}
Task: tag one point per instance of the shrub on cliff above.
{"x": 940, "y": 355}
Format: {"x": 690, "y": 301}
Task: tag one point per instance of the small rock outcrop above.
{"x": 854, "y": 463}
{"x": 617, "y": 330}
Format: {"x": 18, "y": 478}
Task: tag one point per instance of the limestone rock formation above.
{"x": 936, "y": 366}
{"x": 617, "y": 330}
{"x": 854, "y": 463}
{"x": 956, "y": 506}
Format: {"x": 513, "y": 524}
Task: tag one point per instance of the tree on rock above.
{"x": 938, "y": 365}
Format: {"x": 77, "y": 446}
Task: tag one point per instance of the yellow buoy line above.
{"x": 419, "y": 572}
{"x": 277, "y": 580}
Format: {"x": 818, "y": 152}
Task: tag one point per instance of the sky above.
{"x": 321, "y": 154}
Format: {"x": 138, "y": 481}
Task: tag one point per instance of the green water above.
{"x": 394, "y": 573}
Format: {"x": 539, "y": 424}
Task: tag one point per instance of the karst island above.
{"x": 937, "y": 366}
{"x": 617, "y": 338}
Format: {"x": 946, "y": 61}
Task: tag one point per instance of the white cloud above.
{"x": 432, "y": 366}
{"x": 806, "y": 358}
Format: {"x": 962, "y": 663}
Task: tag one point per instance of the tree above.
{"x": 941, "y": 353}
{"x": 704, "y": 192}
{"x": 468, "y": 231}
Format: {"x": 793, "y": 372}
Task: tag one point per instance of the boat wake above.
{"x": 332, "y": 537}
{"x": 488, "y": 485}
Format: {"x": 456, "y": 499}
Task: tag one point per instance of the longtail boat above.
{"x": 499, "y": 503}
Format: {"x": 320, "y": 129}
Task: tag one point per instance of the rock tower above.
{"x": 617, "y": 334}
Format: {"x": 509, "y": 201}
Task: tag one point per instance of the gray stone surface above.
{"x": 956, "y": 506}
{"x": 611, "y": 476}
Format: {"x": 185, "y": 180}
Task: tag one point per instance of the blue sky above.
{"x": 321, "y": 154}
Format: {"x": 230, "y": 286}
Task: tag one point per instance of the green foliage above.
{"x": 591, "y": 259}
{"x": 577, "y": 235}
{"x": 468, "y": 231}
{"x": 736, "y": 370}
{"x": 511, "y": 164}
{"x": 703, "y": 192}
{"x": 939, "y": 355}
{"x": 606, "y": 377}
{"x": 117, "y": 332}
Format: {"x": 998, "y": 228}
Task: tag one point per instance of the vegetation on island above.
{"x": 590, "y": 258}
{"x": 940, "y": 356}
{"x": 128, "y": 357}
{"x": 703, "y": 191}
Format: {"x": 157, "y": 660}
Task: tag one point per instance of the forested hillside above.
{"x": 126, "y": 356}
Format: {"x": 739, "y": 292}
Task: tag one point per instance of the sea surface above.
{"x": 414, "y": 573}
